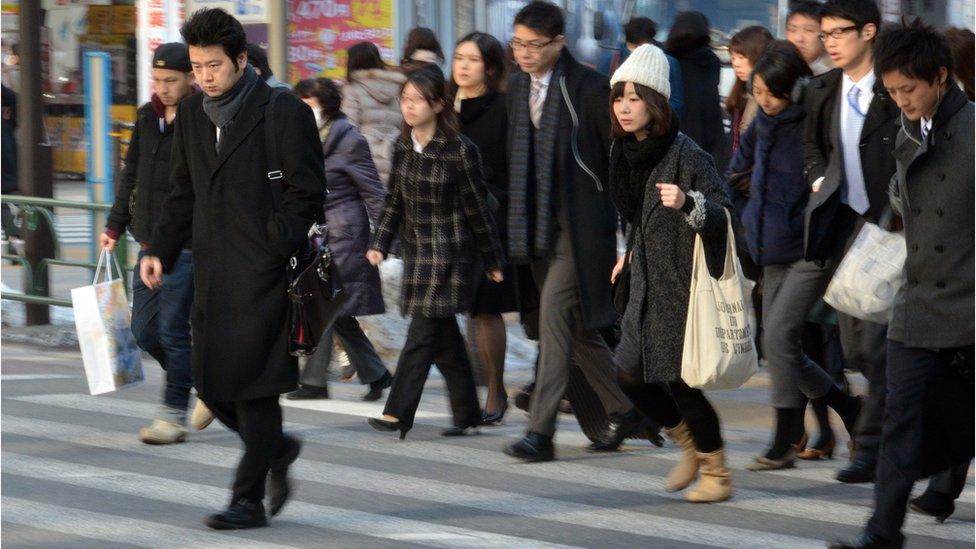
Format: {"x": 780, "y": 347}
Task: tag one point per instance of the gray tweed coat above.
{"x": 438, "y": 206}
{"x": 653, "y": 326}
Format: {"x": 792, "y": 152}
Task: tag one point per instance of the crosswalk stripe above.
{"x": 430, "y": 490}
{"x": 115, "y": 529}
{"x": 32, "y": 377}
{"x": 209, "y": 497}
{"x": 802, "y": 507}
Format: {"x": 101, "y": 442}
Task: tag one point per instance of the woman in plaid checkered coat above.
{"x": 438, "y": 207}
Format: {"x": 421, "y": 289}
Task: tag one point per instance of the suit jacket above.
{"x": 823, "y": 228}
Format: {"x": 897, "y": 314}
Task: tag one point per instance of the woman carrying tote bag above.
{"x": 669, "y": 192}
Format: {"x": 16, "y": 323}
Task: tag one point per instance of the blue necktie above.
{"x": 855, "y": 192}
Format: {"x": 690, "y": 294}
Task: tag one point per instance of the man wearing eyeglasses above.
{"x": 850, "y": 132}
{"x": 562, "y": 222}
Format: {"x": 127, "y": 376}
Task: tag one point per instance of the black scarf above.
{"x": 635, "y": 163}
{"x": 222, "y": 109}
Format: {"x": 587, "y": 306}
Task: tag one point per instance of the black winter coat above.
{"x": 242, "y": 238}
{"x": 355, "y": 199}
{"x": 146, "y": 174}
{"x": 580, "y": 178}
{"x": 822, "y": 158}
{"x": 438, "y": 206}
{"x": 701, "y": 119}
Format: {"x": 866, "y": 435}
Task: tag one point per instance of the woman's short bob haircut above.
{"x": 780, "y": 68}
{"x": 656, "y": 103}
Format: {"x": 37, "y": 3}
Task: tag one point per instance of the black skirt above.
{"x": 495, "y": 298}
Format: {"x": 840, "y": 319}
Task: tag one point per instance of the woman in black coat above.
{"x": 438, "y": 206}
{"x": 689, "y": 42}
{"x": 478, "y": 75}
{"x": 355, "y": 199}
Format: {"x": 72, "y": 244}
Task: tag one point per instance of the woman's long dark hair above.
{"x": 751, "y": 42}
{"x": 363, "y": 56}
{"x": 429, "y": 81}
{"x": 421, "y": 38}
{"x": 689, "y": 32}
{"x": 493, "y": 56}
{"x": 325, "y": 91}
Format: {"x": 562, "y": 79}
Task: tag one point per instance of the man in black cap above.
{"x": 160, "y": 318}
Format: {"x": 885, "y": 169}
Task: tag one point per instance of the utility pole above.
{"x": 34, "y": 174}
{"x": 278, "y": 38}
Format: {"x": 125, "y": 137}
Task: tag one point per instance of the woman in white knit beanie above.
{"x": 668, "y": 191}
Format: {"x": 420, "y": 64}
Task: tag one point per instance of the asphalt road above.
{"x": 75, "y": 475}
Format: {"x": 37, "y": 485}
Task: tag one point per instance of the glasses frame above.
{"x": 839, "y": 33}
{"x": 516, "y": 45}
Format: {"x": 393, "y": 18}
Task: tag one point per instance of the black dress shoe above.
{"x": 239, "y": 515}
{"x": 279, "y": 487}
{"x": 376, "y": 387}
{"x": 621, "y": 427}
{"x": 524, "y": 397}
{"x": 533, "y": 447}
{"x": 934, "y": 504}
{"x": 858, "y": 472}
{"x": 650, "y": 430}
{"x": 459, "y": 431}
{"x": 866, "y": 541}
{"x": 308, "y": 392}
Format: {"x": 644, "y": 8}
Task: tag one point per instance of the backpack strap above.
{"x": 275, "y": 173}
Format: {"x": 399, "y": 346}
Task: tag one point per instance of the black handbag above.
{"x": 315, "y": 294}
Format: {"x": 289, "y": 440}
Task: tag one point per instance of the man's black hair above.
{"x": 913, "y": 49}
{"x": 640, "y": 30}
{"x": 542, "y": 17}
{"x": 215, "y": 27}
{"x": 257, "y": 58}
{"x": 808, "y": 8}
{"x": 861, "y": 12}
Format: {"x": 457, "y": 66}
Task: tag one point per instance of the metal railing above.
{"x": 34, "y": 212}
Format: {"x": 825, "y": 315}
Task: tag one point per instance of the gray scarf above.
{"x": 221, "y": 110}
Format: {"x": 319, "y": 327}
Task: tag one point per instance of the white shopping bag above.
{"x": 869, "y": 277}
{"x": 719, "y": 350}
{"x": 109, "y": 351}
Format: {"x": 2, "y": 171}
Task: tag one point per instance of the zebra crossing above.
{"x": 74, "y": 475}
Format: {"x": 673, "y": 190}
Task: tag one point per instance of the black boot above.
{"x": 279, "y": 487}
{"x": 859, "y": 471}
{"x": 934, "y": 504}
{"x": 621, "y": 427}
{"x": 376, "y": 387}
{"x": 533, "y": 447}
{"x": 239, "y": 515}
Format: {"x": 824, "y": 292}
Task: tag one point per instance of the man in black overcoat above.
{"x": 243, "y": 236}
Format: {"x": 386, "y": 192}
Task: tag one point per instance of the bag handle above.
{"x": 732, "y": 267}
{"x": 108, "y": 264}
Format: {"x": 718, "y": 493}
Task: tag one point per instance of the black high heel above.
{"x": 389, "y": 426}
{"x": 495, "y": 418}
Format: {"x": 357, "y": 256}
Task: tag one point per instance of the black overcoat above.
{"x": 242, "y": 239}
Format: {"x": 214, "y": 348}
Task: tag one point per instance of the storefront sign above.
{"x": 320, "y": 31}
{"x": 159, "y": 23}
{"x": 246, "y": 11}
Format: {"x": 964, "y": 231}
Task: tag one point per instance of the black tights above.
{"x": 669, "y": 403}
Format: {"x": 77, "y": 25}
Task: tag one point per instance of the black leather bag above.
{"x": 315, "y": 292}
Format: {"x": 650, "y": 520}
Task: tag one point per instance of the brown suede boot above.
{"x": 715, "y": 483}
{"x": 686, "y": 470}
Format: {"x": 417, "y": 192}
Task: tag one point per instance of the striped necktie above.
{"x": 536, "y": 102}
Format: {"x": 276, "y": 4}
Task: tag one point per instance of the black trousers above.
{"x": 434, "y": 341}
{"x": 258, "y": 423}
{"x": 369, "y": 366}
{"x": 950, "y": 483}
{"x": 913, "y": 392}
{"x": 669, "y": 403}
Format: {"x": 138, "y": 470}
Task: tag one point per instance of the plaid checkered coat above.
{"x": 438, "y": 207}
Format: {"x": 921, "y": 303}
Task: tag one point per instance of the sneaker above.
{"x": 201, "y": 417}
{"x": 162, "y": 432}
